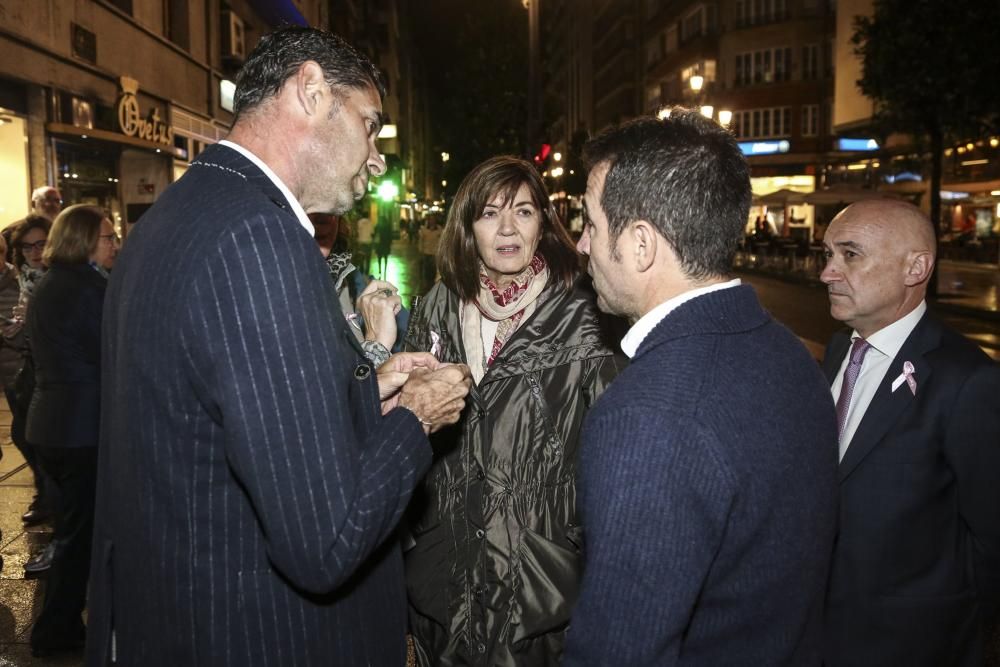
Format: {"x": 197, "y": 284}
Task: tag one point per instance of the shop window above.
{"x": 14, "y": 192}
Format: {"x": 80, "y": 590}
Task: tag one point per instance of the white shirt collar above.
{"x": 888, "y": 340}
{"x": 633, "y": 339}
{"x": 292, "y": 201}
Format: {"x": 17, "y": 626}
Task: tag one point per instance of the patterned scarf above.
{"x": 26, "y": 281}
{"x": 508, "y": 307}
{"x": 340, "y": 267}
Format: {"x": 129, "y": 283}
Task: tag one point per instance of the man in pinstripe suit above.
{"x": 253, "y": 466}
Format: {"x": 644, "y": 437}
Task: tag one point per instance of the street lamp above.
{"x": 697, "y": 82}
{"x": 725, "y": 117}
{"x": 445, "y": 156}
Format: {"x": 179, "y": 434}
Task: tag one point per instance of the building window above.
{"x": 654, "y": 50}
{"x": 762, "y": 123}
{"x": 175, "y": 23}
{"x": 695, "y": 24}
{"x": 764, "y": 66}
{"x": 810, "y": 61}
{"x": 810, "y": 120}
{"x": 759, "y": 12}
{"x": 653, "y": 97}
{"x": 124, "y": 5}
{"x": 670, "y": 39}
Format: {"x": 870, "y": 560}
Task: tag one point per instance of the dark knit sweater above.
{"x": 708, "y": 492}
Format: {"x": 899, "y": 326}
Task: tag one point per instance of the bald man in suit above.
{"x": 916, "y": 568}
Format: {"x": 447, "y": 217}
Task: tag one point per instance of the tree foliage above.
{"x": 931, "y": 67}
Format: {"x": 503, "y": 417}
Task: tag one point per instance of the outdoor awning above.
{"x": 781, "y": 197}
{"x": 845, "y": 196}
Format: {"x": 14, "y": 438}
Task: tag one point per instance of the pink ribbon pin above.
{"x": 907, "y": 377}
{"x": 436, "y": 345}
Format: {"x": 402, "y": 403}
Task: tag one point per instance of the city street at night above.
{"x": 701, "y": 301}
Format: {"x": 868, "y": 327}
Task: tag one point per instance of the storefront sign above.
{"x": 132, "y": 123}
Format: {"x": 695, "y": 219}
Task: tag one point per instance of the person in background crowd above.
{"x": 11, "y": 332}
{"x": 64, "y": 332}
{"x": 709, "y": 523}
{"x": 365, "y": 231}
{"x": 916, "y": 567}
{"x": 496, "y": 516}
{"x": 430, "y": 239}
{"x": 254, "y": 467}
{"x": 372, "y": 307}
{"x": 45, "y": 202}
{"x": 29, "y": 241}
{"x": 383, "y": 245}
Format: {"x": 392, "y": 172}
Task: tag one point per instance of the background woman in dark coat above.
{"x": 495, "y": 565}
{"x": 28, "y": 241}
{"x": 64, "y": 332}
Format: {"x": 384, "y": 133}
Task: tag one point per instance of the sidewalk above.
{"x": 20, "y": 598}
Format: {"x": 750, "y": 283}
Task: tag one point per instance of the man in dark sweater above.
{"x": 707, "y": 480}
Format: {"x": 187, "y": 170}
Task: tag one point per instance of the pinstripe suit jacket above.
{"x": 248, "y": 485}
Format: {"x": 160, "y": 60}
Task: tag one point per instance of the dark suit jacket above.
{"x": 247, "y": 481}
{"x": 64, "y": 331}
{"x": 917, "y": 559}
{"x": 707, "y": 489}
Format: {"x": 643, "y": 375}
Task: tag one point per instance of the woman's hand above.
{"x": 378, "y": 305}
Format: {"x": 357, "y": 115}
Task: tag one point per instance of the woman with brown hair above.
{"x": 494, "y": 564}
{"x": 27, "y": 245}
{"x": 64, "y": 333}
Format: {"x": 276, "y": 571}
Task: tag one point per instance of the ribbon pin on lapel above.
{"x": 906, "y": 376}
{"x": 436, "y": 345}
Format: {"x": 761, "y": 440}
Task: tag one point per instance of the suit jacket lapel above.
{"x": 887, "y": 405}
{"x": 835, "y": 353}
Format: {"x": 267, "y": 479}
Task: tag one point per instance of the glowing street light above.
{"x": 697, "y": 82}
{"x": 707, "y": 110}
{"x": 725, "y": 117}
{"x": 445, "y": 156}
{"x": 557, "y": 157}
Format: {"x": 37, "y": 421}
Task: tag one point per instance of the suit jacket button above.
{"x": 480, "y": 533}
{"x": 362, "y": 372}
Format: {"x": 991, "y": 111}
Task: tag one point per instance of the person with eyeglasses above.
{"x": 28, "y": 242}
{"x": 64, "y": 334}
{"x": 46, "y": 201}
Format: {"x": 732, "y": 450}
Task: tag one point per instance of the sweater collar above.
{"x": 722, "y": 312}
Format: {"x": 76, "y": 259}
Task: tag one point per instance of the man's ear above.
{"x": 644, "y": 244}
{"x": 919, "y": 266}
{"x": 310, "y": 86}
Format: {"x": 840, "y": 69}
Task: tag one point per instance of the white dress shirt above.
{"x": 297, "y": 209}
{"x": 885, "y": 345}
{"x": 633, "y": 339}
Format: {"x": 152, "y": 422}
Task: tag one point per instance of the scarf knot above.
{"x": 508, "y": 307}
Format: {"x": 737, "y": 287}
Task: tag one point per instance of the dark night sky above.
{"x": 476, "y": 61}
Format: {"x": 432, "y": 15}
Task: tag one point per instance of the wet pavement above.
{"x": 20, "y": 597}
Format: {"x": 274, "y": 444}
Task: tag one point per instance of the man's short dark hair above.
{"x": 279, "y": 55}
{"x": 686, "y": 176}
